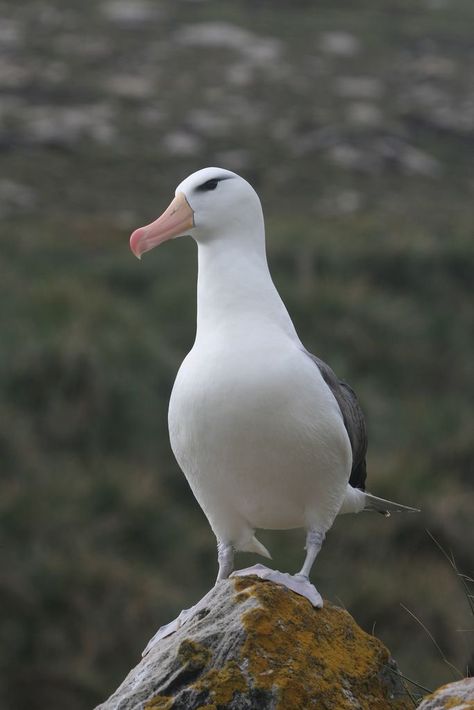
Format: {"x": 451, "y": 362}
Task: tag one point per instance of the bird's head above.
{"x": 208, "y": 204}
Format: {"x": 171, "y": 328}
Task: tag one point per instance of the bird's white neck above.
{"x": 235, "y": 288}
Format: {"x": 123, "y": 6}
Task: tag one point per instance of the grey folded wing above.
{"x": 354, "y": 420}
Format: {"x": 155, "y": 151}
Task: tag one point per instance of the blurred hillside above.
{"x": 355, "y": 123}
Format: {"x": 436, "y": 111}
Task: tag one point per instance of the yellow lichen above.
{"x": 311, "y": 658}
{"x": 160, "y": 702}
{"x": 295, "y": 655}
{"x": 193, "y": 655}
{"x": 221, "y": 684}
{"x": 456, "y": 702}
{"x": 450, "y": 700}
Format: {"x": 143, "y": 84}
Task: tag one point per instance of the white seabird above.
{"x": 265, "y": 433}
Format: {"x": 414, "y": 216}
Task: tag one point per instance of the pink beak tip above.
{"x": 135, "y": 242}
{"x": 177, "y": 219}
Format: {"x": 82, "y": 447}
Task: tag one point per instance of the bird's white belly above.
{"x": 259, "y": 437}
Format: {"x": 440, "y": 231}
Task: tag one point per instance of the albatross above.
{"x": 266, "y": 434}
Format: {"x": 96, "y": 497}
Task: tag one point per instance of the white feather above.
{"x": 252, "y": 423}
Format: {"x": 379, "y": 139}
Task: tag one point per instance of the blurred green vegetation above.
{"x": 355, "y": 123}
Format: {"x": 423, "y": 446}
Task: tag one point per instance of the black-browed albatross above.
{"x": 265, "y": 433}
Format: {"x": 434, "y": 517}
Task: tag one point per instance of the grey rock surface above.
{"x": 255, "y": 644}
{"x": 456, "y": 696}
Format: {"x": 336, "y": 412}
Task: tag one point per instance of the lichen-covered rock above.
{"x": 455, "y": 696}
{"x": 258, "y": 645}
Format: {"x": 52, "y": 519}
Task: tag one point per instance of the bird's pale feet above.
{"x": 170, "y": 628}
{"x": 296, "y": 582}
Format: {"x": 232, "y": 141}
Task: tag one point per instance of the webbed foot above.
{"x": 298, "y": 583}
{"x": 173, "y": 626}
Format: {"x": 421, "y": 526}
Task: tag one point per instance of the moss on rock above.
{"x": 453, "y": 696}
{"x": 262, "y": 646}
{"x": 312, "y": 658}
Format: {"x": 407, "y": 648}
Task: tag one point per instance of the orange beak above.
{"x": 175, "y": 220}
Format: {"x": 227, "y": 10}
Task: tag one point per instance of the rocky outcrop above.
{"x": 257, "y": 645}
{"x": 456, "y": 696}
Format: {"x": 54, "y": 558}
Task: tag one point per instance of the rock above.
{"x": 341, "y": 44}
{"x": 67, "y": 125}
{"x": 15, "y": 197}
{"x": 364, "y": 113}
{"x": 358, "y": 87}
{"x": 130, "y": 13}
{"x": 258, "y": 645}
{"x": 181, "y": 143}
{"x": 224, "y": 35}
{"x": 130, "y": 86}
{"x": 456, "y": 696}
{"x": 386, "y": 152}
{"x": 11, "y": 34}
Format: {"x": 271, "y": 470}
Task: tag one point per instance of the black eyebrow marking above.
{"x": 211, "y": 184}
{"x": 208, "y": 185}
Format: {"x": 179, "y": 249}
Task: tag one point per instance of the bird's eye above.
{"x": 208, "y": 185}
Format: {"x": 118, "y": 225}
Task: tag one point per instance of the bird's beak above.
{"x": 176, "y": 220}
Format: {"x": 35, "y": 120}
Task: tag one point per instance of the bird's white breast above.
{"x": 257, "y": 432}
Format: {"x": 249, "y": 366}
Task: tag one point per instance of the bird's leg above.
{"x": 298, "y": 583}
{"x": 314, "y": 541}
{"x": 225, "y": 557}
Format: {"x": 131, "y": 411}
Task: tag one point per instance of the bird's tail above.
{"x": 253, "y": 545}
{"x": 386, "y": 507}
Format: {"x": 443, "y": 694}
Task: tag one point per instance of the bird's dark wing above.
{"x": 353, "y": 419}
